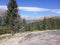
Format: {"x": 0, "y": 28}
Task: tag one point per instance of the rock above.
{"x": 44, "y": 38}
{"x": 35, "y": 38}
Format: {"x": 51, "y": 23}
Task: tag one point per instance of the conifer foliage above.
{"x": 12, "y": 18}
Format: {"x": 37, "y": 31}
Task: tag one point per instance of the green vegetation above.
{"x": 5, "y": 31}
{"x": 12, "y": 18}
{"x": 13, "y": 22}
{"x": 45, "y": 24}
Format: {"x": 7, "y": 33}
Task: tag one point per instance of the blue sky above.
{"x": 35, "y": 8}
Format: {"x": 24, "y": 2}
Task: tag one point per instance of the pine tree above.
{"x": 12, "y": 17}
{"x": 44, "y": 25}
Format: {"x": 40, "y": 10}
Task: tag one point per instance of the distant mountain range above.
{"x": 29, "y": 19}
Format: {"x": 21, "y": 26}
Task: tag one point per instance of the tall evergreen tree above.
{"x": 44, "y": 26}
{"x": 12, "y": 17}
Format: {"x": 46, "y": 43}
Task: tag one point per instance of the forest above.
{"x": 13, "y": 22}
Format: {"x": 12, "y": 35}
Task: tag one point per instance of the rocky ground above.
{"x": 34, "y": 38}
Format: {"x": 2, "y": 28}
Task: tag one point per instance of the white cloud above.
{"x": 3, "y": 7}
{"x": 55, "y": 10}
{"x": 36, "y": 9}
{"x": 32, "y": 9}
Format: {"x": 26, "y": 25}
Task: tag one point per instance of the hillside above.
{"x": 34, "y": 38}
{"x": 2, "y": 12}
